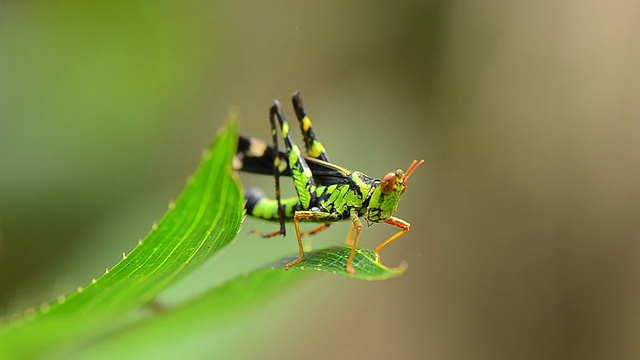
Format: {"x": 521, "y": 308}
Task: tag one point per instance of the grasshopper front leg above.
{"x": 405, "y": 226}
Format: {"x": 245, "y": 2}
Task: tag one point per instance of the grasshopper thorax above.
{"x": 387, "y": 191}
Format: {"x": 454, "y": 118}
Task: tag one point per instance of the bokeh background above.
{"x": 525, "y": 237}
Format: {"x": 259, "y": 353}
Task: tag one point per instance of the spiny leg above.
{"x": 357, "y": 224}
{"x": 309, "y": 216}
{"x": 405, "y": 226}
{"x": 301, "y": 174}
{"x": 313, "y": 145}
{"x": 253, "y": 148}
{"x": 276, "y": 174}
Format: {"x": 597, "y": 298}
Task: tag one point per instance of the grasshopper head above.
{"x": 386, "y": 196}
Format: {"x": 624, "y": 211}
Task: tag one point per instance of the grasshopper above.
{"x": 325, "y": 192}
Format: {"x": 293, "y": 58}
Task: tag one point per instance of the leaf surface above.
{"x": 204, "y": 326}
{"x": 206, "y": 217}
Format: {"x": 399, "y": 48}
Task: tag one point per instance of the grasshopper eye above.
{"x": 388, "y": 183}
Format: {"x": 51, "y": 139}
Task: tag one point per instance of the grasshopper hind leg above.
{"x": 315, "y": 149}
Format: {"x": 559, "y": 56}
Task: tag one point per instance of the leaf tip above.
{"x": 230, "y": 126}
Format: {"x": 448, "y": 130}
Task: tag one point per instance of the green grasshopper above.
{"x": 326, "y": 192}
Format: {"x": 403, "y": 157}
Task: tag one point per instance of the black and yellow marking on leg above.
{"x": 313, "y": 145}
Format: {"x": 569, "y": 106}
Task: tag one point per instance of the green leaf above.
{"x": 201, "y": 324}
{"x": 205, "y": 218}
{"x": 335, "y": 259}
{"x": 183, "y": 331}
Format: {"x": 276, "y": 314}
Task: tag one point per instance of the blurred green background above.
{"x": 524, "y": 240}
